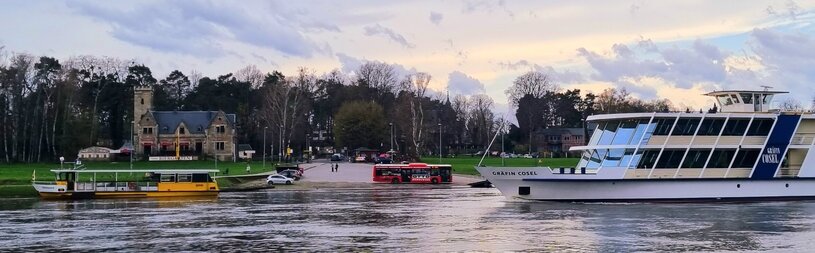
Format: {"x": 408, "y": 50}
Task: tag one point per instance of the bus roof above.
{"x": 165, "y": 171}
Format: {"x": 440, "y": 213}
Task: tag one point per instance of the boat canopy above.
{"x": 744, "y": 100}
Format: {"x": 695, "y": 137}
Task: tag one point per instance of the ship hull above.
{"x": 131, "y": 194}
{"x": 629, "y": 190}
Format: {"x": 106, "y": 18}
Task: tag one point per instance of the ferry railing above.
{"x": 126, "y": 186}
{"x": 573, "y": 171}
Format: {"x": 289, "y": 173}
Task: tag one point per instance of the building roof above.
{"x": 95, "y": 149}
{"x": 244, "y": 147}
{"x": 196, "y": 121}
{"x": 560, "y": 131}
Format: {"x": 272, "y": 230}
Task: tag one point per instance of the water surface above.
{"x": 399, "y": 219}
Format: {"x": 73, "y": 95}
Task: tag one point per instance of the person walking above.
{"x": 337, "y": 168}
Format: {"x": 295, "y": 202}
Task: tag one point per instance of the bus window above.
{"x": 168, "y": 178}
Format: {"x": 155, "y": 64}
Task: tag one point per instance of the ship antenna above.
{"x": 766, "y": 88}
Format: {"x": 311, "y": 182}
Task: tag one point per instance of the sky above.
{"x": 654, "y": 49}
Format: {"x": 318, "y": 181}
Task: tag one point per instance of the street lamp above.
{"x": 439, "y": 142}
{"x": 61, "y": 161}
{"x": 391, "y": 125}
{"x": 132, "y": 144}
{"x": 264, "y": 147}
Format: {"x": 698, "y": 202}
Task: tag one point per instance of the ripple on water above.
{"x": 410, "y": 219}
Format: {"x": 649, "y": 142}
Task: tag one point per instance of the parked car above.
{"x": 278, "y": 179}
{"x": 295, "y": 174}
{"x": 527, "y": 156}
{"x": 359, "y": 159}
{"x": 336, "y": 158}
{"x": 383, "y": 159}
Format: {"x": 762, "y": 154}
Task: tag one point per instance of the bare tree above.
{"x": 378, "y": 75}
{"x": 250, "y": 74}
{"x": 285, "y": 104}
{"x": 791, "y": 104}
{"x": 532, "y": 83}
{"x": 481, "y": 119}
{"x": 416, "y": 86}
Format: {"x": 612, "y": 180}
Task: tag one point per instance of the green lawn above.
{"x": 20, "y": 173}
{"x": 466, "y": 164}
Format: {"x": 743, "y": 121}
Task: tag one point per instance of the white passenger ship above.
{"x": 743, "y": 152}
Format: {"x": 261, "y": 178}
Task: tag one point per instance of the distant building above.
{"x": 557, "y": 141}
{"x": 195, "y": 133}
{"x": 95, "y": 154}
{"x": 245, "y": 151}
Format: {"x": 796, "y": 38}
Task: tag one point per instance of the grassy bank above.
{"x": 466, "y": 165}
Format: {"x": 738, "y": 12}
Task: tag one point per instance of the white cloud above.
{"x": 436, "y": 17}
{"x": 460, "y": 83}
{"x": 379, "y": 30}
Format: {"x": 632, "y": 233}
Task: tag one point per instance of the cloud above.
{"x": 788, "y": 59}
{"x": 436, "y": 17}
{"x": 349, "y": 65}
{"x": 564, "y": 77}
{"x": 460, "y": 83}
{"x": 379, "y": 30}
{"x": 199, "y": 28}
{"x": 683, "y": 67}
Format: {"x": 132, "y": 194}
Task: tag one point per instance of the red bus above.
{"x": 414, "y": 173}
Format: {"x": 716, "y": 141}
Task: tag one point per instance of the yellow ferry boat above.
{"x": 82, "y": 184}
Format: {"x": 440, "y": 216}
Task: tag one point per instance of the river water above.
{"x": 399, "y": 219}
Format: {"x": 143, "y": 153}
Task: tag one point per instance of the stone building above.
{"x": 557, "y": 141}
{"x": 196, "y": 133}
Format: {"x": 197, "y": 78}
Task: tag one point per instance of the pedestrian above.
{"x": 337, "y": 168}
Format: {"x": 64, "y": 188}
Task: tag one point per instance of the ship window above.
{"x": 760, "y": 127}
{"x": 168, "y": 178}
{"x": 184, "y": 178}
{"x": 670, "y": 158}
{"x": 635, "y": 159}
{"x": 609, "y": 130}
{"x": 596, "y": 157}
{"x": 696, "y": 158}
{"x": 721, "y": 158}
{"x": 767, "y": 99}
{"x": 626, "y": 159}
{"x": 735, "y": 98}
{"x": 664, "y": 126}
{"x": 724, "y": 99}
{"x": 642, "y": 127}
{"x": 746, "y": 158}
{"x": 200, "y": 178}
{"x": 735, "y": 127}
{"x": 649, "y": 157}
{"x": 747, "y": 98}
{"x": 686, "y": 126}
{"x": 711, "y": 127}
{"x": 624, "y": 132}
{"x": 613, "y": 158}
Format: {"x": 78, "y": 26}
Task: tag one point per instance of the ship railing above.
{"x": 801, "y": 139}
{"x": 789, "y": 172}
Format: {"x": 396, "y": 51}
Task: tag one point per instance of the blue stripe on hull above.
{"x": 777, "y": 143}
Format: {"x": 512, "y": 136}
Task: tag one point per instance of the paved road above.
{"x": 320, "y": 171}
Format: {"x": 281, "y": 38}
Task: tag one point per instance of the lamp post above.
{"x": 132, "y": 144}
{"x": 391, "y": 125}
{"x": 264, "y": 147}
{"x": 502, "y": 142}
{"x": 439, "y": 142}
{"x": 61, "y": 161}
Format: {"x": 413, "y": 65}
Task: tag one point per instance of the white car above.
{"x": 278, "y": 179}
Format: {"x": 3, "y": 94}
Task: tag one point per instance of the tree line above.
{"x": 52, "y": 108}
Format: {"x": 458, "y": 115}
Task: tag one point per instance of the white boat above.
{"x": 745, "y": 151}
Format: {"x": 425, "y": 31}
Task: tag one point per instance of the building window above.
{"x": 142, "y": 101}
{"x": 181, "y": 130}
{"x": 220, "y": 129}
{"x": 147, "y": 130}
{"x": 219, "y": 145}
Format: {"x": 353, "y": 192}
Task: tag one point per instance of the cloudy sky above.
{"x": 654, "y": 49}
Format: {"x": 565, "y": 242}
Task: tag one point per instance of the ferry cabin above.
{"x": 743, "y": 140}
{"x": 77, "y": 184}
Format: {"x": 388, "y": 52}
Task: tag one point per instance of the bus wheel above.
{"x": 434, "y": 181}
{"x": 395, "y": 181}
